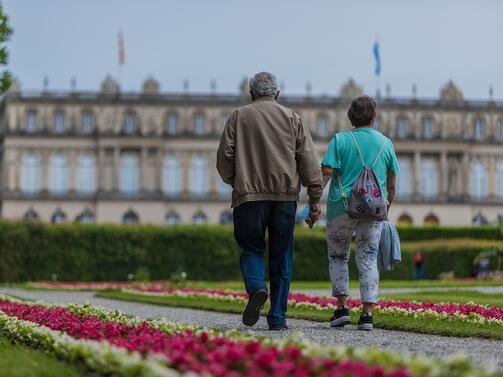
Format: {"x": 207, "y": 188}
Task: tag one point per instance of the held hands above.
{"x": 314, "y": 214}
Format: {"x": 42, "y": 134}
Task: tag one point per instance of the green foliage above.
{"x": 33, "y": 251}
{"x": 5, "y": 33}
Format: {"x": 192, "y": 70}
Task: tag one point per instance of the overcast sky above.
{"x": 325, "y": 42}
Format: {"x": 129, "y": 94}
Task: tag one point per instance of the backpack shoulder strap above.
{"x": 357, "y": 148}
{"x": 380, "y": 152}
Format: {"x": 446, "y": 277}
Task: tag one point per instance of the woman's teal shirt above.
{"x": 342, "y": 156}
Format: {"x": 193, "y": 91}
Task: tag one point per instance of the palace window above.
{"x": 479, "y": 130}
{"x": 130, "y": 126}
{"x": 86, "y": 174}
{"x": 200, "y": 124}
{"x": 404, "y": 179}
{"x": 59, "y": 122}
{"x": 427, "y": 128}
{"x": 402, "y": 126}
{"x": 87, "y": 122}
{"x": 479, "y": 219}
{"x": 171, "y": 175}
{"x": 404, "y": 220}
{"x": 86, "y": 217}
{"x": 171, "y": 123}
{"x": 31, "y": 215}
{"x": 130, "y": 218}
{"x": 226, "y": 217}
{"x": 199, "y": 218}
{"x": 58, "y": 217}
{"x": 479, "y": 180}
{"x": 58, "y": 174}
{"x": 224, "y": 190}
{"x": 31, "y": 121}
{"x": 429, "y": 178}
{"x": 224, "y": 119}
{"x": 499, "y": 179}
{"x": 129, "y": 174}
{"x": 322, "y": 126}
{"x": 199, "y": 176}
{"x": 172, "y": 218}
{"x": 431, "y": 220}
{"x": 30, "y": 174}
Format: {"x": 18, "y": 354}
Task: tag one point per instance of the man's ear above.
{"x": 251, "y": 95}
{"x": 277, "y": 94}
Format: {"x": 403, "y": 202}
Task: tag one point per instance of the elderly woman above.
{"x": 342, "y": 164}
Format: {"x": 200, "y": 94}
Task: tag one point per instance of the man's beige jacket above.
{"x": 266, "y": 152}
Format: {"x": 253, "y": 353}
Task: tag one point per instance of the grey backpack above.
{"x": 366, "y": 201}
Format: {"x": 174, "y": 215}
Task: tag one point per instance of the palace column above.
{"x": 444, "y": 172}
{"x": 492, "y": 177}
{"x": 465, "y": 186}
{"x": 72, "y": 176}
{"x": 116, "y": 167}
{"x": 44, "y": 158}
{"x": 416, "y": 193}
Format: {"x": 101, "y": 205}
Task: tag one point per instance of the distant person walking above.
{"x": 265, "y": 153}
{"x": 348, "y": 153}
{"x": 418, "y": 265}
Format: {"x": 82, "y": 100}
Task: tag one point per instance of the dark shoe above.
{"x": 340, "y": 318}
{"x": 256, "y": 302}
{"x": 365, "y": 322}
{"x": 278, "y": 327}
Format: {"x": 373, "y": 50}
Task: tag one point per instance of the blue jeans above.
{"x": 251, "y": 219}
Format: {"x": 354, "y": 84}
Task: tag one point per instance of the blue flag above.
{"x": 377, "y": 56}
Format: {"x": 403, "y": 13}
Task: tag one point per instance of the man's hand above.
{"x": 314, "y": 214}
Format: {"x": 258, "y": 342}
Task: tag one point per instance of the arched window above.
{"x": 322, "y": 126}
{"x": 479, "y": 180}
{"x": 130, "y": 126}
{"x": 130, "y": 217}
{"x": 429, "y": 178}
{"x": 87, "y": 122}
{"x": 199, "y": 218}
{"x": 31, "y": 121}
{"x": 199, "y": 176}
{"x": 404, "y": 179}
{"x": 200, "y": 124}
{"x": 427, "y": 128}
{"x": 30, "y": 174}
{"x": 431, "y": 220}
{"x": 86, "y": 174}
{"x": 130, "y": 170}
{"x": 224, "y": 190}
{"x": 58, "y": 217}
{"x": 172, "y": 218}
{"x": 402, "y": 128}
{"x": 479, "y": 219}
{"x": 479, "y": 130}
{"x": 59, "y": 122}
{"x": 86, "y": 217}
{"x": 404, "y": 220}
{"x": 171, "y": 123}
{"x": 171, "y": 175}
{"x": 31, "y": 215}
{"x": 226, "y": 217}
{"x": 224, "y": 119}
{"x": 499, "y": 179}
{"x": 58, "y": 174}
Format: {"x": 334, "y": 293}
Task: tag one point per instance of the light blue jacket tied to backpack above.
{"x": 389, "y": 252}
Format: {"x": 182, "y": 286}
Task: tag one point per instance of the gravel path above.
{"x": 481, "y": 351}
{"x": 355, "y": 292}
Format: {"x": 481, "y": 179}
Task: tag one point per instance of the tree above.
{"x": 5, "y": 33}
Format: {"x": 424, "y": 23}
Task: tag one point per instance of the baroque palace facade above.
{"x": 149, "y": 157}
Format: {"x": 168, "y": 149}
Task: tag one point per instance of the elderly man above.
{"x": 265, "y": 153}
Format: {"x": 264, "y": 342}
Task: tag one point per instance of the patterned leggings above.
{"x": 339, "y": 235}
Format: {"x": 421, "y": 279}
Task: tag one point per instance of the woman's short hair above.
{"x": 362, "y": 111}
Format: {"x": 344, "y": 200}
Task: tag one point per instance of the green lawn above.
{"x": 392, "y": 322}
{"x": 20, "y": 361}
{"x": 457, "y": 296}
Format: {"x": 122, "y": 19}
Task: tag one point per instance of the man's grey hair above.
{"x": 264, "y": 84}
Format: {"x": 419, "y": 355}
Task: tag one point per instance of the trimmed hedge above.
{"x": 31, "y": 251}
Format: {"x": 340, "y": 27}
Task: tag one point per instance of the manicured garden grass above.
{"x": 387, "y": 321}
{"x": 457, "y": 296}
{"x": 20, "y": 361}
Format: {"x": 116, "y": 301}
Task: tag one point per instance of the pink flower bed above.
{"x": 99, "y": 285}
{"x": 198, "y": 353}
